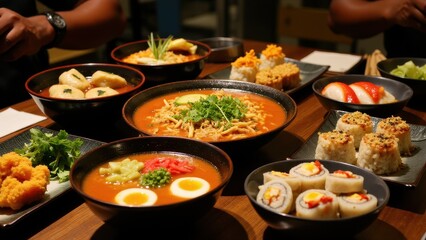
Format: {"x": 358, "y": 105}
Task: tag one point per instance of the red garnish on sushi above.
{"x": 347, "y": 174}
{"x": 376, "y": 92}
{"x": 318, "y": 165}
{"x": 341, "y": 92}
{"x": 323, "y": 200}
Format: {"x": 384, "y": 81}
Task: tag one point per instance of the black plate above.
{"x": 415, "y": 165}
{"x": 7, "y": 216}
{"x": 308, "y": 73}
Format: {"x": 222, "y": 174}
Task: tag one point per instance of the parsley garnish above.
{"x": 226, "y": 108}
{"x": 55, "y": 151}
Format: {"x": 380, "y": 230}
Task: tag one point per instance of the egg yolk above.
{"x": 190, "y": 184}
{"x": 135, "y": 198}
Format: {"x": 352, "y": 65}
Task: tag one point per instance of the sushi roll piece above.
{"x": 336, "y": 145}
{"x": 271, "y": 56}
{"x": 356, "y": 204}
{"x": 379, "y": 153}
{"x": 356, "y": 124}
{"x": 317, "y": 204}
{"x": 245, "y": 68}
{"x": 294, "y": 182}
{"x": 289, "y": 74}
{"x": 276, "y": 195}
{"x": 269, "y": 78}
{"x": 341, "y": 181}
{"x": 370, "y": 93}
{"x": 311, "y": 174}
{"x": 399, "y": 128}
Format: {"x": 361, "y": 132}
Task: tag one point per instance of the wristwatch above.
{"x": 59, "y": 25}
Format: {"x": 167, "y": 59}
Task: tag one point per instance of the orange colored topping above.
{"x": 249, "y": 60}
{"x": 273, "y": 51}
{"x": 324, "y": 200}
{"x": 346, "y": 174}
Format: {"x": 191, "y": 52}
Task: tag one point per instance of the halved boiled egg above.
{"x": 189, "y": 187}
{"x": 136, "y": 197}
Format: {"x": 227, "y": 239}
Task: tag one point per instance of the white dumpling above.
{"x": 105, "y": 79}
{"x": 65, "y": 91}
{"x": 74, "y": 78}
{"x": 100, "y": 92}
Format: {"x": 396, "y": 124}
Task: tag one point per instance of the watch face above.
{"x": 59, "y": 21}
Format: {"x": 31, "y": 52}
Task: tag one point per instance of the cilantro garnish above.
{"x": 225, "y": 108}
{"x": 55, "y": 151}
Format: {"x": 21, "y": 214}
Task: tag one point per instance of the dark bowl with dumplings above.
{"x": 163, "y": 73}
{"x": 385, "y": 68}
{"x": 399, "y": 90}
{"x": 83, "y": 113}
{"x": 290, "y": 225}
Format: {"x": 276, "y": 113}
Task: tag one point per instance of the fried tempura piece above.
{"x": 20, "y": 183}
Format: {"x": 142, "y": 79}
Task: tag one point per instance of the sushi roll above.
{"x": 271, "y": 56}
{"x": 379, "y": 153}
{"x": 289, "y": 73}
{"x": 356, "y": 204}
{"x": 276, "y": 195}
{"x": 336, "y": 145}
{"x": 311, "y": 174}
{"x": 245, "y": 68}
{"x": 317, "y": 204}
{"x": 399, "y": 128}
{"x": 294, "y": 182}
{"x": 356, "y": 124}
{"x": 344, "y": 182}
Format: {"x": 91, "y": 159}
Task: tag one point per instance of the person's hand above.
{"x": 408, "y": 13}
{"x": 19, "y": 36}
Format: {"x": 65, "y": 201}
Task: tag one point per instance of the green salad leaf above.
{"x": 410, "y": 70}
{"x": 213, "y": 108}
{"x": 57, "y": 152}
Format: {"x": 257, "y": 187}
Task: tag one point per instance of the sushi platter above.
{"x": 414, "y": 165}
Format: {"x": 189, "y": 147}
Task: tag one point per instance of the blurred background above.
{"x": 295, "y": 22}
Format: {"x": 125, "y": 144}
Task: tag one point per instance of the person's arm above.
{"x": 362, "y": 18}
{"x": 90, "y": 24}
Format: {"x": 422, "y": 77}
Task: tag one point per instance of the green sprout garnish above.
{"x": 160, "y": 48}
{"x": 156, "y": 178}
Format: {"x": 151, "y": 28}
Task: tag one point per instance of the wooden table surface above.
{"x": 233, "y": 217}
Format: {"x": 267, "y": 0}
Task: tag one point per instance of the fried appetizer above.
{"x": 20, "y": 183}
{"x": 65, "y": 91}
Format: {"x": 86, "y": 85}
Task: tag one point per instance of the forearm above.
{"x": 92, "y": 23}
{"x": 358, "y": 18}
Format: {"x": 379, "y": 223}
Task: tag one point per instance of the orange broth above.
{"x": 95, "y": 184}
{"x": 276, "y": 114}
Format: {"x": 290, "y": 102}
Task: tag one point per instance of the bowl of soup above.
{"x": 143, "y": 182}
{"x": 230, "y": 114}
{"x": 173, "y": 65}
{"x": 84, "y": 95}
{"x": 309, "y": 198}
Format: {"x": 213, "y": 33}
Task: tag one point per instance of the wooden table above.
{"x": 67, "y": 217}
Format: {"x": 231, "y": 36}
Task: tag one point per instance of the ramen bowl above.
{"x": 400, "y": 91}
{"x": 280, "y": 108}
{"x": 162, "y": 73}
{"x": 83, "y": 112}
{"x": 148, "y": 216}
{"x": 385, "y": 68}
{"x": 292, "y": 225}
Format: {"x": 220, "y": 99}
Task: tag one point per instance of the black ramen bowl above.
{"x": 282, "y": 99}
{"x": 419, "y": 86}
{"x": 303, "y": 228}
{"x": 400, "y": 91}
{"x": 80, "y": 113}
{"x": 157, "y": 74}
{"x": 147, "y": 217}
{"x": 224, "y": 49}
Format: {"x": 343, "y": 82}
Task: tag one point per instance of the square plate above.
{"x": 415, "y": 164}
{"x": 308, "y": 73}
{"x": 54, "y": 188}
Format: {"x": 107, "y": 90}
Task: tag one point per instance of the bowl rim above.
{"x": 378, "y": 208}
{"x": 235, "y": 42}
{"x": 403, "y": 59}
{"x": 85, "y": 100}
{"x": 288, "y": 120}
{"x": 218, "y": 188}
{"x": 365, "y": 77}
{"x": 118, "y": 60}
